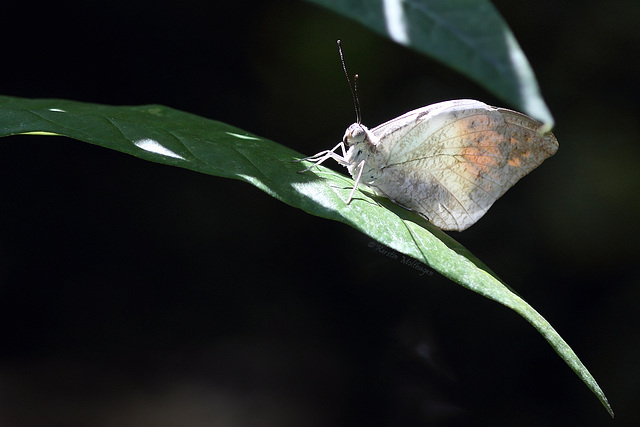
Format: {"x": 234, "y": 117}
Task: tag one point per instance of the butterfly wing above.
{"x": 452, "y": 160}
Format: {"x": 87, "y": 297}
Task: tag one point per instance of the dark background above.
{"x": 138, "y": 294}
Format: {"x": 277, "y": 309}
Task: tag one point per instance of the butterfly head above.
{"x": 355, "y": 133}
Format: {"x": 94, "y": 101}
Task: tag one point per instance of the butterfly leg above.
{"x": 357, "y": 181}
{"x": 320, "y": 157}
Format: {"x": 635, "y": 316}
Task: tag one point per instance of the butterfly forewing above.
{"x": 451, "y": 161}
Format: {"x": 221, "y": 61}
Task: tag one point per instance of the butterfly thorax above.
{"x": 361, "y": 153}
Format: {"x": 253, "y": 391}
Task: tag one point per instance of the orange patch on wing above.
{"x": 514, "y": 162}
{"x": 519, "y": 152}
{"x": 481, "y": 145}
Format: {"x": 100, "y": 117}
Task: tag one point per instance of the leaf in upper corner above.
{"x": 470, "y": 36}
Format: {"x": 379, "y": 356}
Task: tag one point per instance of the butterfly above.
{"x": 448, "y": 161}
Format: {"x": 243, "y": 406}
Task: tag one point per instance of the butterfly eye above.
{"x": 354, "y": 134}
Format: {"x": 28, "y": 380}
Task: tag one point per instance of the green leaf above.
{"x": 163, "y": 135}
{"x": 468, "y": 35}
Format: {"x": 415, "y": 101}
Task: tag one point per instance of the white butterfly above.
{"x": 448, "y": 161}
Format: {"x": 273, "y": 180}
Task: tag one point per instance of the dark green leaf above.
{"x": 175, "y": 138}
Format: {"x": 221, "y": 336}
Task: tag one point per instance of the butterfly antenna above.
{"x": 354, "y": 87}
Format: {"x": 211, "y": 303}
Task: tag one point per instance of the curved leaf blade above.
{"x": 468, "y": 35}
{"x": 164, "y": 135}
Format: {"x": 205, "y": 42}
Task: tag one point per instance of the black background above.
{"x": 138, "y": 294}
